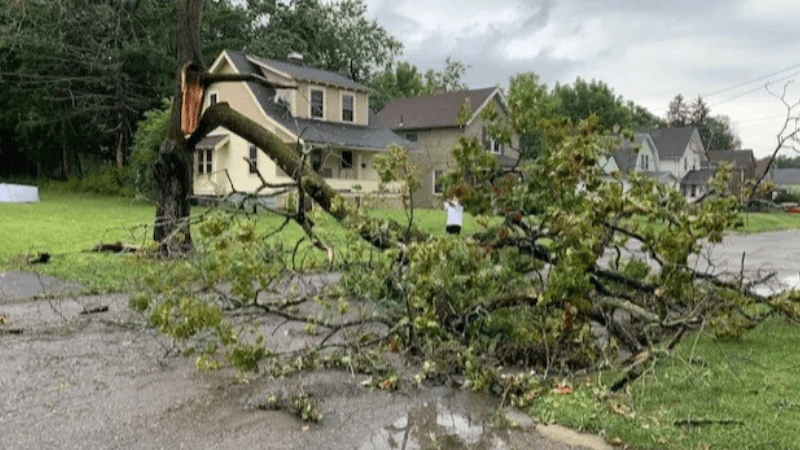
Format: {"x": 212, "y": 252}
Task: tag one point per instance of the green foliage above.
{"x": 150, "y": 134}
{"x": 406, "y": 80}
{"x": 106, "y": 179}
{"x": 335, "y": 36}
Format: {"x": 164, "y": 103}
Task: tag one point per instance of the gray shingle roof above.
{"x": 308, "y": 73}
{"x": 738, "y": 158}
{"x": 626, "y": 158}
{"x": 374, "y": 136}
{"x": 671, "y": 143}
{"x": 697, "y": 176}
{"x": 782, "y": 177}
{"x": 431, "y": 111}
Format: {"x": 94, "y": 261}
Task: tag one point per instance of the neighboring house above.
{"x": 681, "y": 153}
{"x": 743, "y": 166}
{"x": 639, "y": 155}
{"x": 431, "y": 122}
{"x": 328, "y": 115}
{"x": 785, "y": 180}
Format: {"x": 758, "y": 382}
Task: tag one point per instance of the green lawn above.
{"x": 709, "y": 395}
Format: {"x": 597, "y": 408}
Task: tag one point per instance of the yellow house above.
{"x": 430, "y": 121}
{"x": 327, "y": 114}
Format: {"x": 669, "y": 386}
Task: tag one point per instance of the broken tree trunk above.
{"x": 172, "y": 171}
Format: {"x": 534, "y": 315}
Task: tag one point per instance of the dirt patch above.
{"x": 102, "y": 380}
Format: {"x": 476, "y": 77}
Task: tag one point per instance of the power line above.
{"x": 754, "y": 90}
{"x": 751, "y": 81}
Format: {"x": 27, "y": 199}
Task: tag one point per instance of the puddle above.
{"x": 782, "y": 284}
{"x": 434, "y": 425}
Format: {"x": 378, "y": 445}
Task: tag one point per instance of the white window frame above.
{"x": 252, "y": 159}
{"x": 205, "y": 161}
{"x": 311, "y": 102}
{"x": 495, "y": 147}
{"x": 433, "y": 187}
{"x": 342, "y": 95}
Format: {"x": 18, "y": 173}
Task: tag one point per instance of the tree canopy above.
{"x": 334, "y": 36}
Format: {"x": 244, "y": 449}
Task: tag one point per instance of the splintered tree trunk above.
{"x": 172, "y": 170}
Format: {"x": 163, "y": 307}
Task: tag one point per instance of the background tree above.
{"x": 405, "y": 80}
{"x": 581, "y": 99}
{"x": 85, "y": 70}
{"x": 678, "y": 114}
{"x": 334, "y": 36}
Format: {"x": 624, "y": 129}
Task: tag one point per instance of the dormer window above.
{"x": 317, "y": 103}
{"x": 348, "y": 108}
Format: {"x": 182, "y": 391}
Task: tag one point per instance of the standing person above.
{"x": 455, "y": 213}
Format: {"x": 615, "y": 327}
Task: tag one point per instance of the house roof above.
{"x": 737, "y": 158}
{"x": 661, "y": 177}
{"x": 782, "y": 177}
{"x": 303, "y": 72}
{"x": 210, "y": 142}
{"x": 432, "y": 111}
{"x": 374, "y": 136}
{"x": 671, "y": 143}
{"x": 697, "y": 176}
{"x": 626, "y": 157}
{"x": 761, "y": 166}
{"x": 506, "y": 161}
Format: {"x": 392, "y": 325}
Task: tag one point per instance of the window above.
{"x": 438, "y": 188}
{"x": 348, "y": 108}
{"x": 204, "y": 161}
{"x": 253, "y": 159}
{"x": 412, "y": 137}
{"x": 495, "y": 147}
{"x": 316, "y": 160}
{"x": 694, "y": 190}
{"x": 212, "y": 99}
{"x": 686, "y": 164}
{"x": 645, "y": 162}
{"x": 347, "y": 159}
{"x": 317, "y": 104}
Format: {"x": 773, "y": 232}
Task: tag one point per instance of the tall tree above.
{"x": 678, "y": 113}
{"x": 86, "y": 71}
{"x": 406, "y": 80}
{"x": 582, "y": 99}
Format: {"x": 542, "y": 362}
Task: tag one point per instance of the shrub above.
{"x": 148, "y": 138}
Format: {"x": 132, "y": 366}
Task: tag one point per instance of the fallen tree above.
{"x": 550, "y": 280}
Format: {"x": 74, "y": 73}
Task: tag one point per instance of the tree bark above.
{"x": 172, "y": 171}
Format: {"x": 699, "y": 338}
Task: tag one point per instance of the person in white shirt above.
{"x": 455, "y": 213}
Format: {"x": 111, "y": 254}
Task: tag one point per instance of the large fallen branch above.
{"x": 310, "y": 181}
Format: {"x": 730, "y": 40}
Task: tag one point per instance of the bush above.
{"x": 106, "y": 179}
{"x": 148, "y": 138}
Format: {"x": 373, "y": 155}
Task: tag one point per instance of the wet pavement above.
{"x": 19, "y": 285}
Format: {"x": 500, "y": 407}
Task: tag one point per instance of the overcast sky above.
{"x": 646, "y": 50}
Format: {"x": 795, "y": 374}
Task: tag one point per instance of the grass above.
{"x": 769, "y": 221}
{"x": 708, "y": 394}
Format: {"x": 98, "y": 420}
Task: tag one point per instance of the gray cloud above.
{"x": 647, "y": 50}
